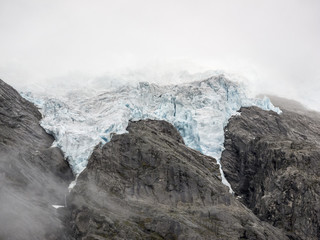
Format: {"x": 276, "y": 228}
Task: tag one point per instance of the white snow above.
{"x": 199, "y": 110}
{"x": 72, "y": 184}
{"x": 57, "y": 206}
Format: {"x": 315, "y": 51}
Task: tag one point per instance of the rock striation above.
{"x": 146, "y": 184}
{"x": 33, "y": 176}
{"x": 272, "y": 162}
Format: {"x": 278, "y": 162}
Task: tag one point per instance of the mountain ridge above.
{"x": 273, "y": 162}
{"x": 146, "y": 184}
{"x": 34, "y": 176}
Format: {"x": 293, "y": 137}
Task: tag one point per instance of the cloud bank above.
{"x": 274, "y": 44}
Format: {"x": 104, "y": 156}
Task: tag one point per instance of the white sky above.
{"x": 274, "y": 43}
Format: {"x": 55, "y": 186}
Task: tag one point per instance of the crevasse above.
{"x": 199, "y": 110}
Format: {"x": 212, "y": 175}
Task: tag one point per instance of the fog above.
{"x": 27, "y": 193}
{"x": 273, "y": 44}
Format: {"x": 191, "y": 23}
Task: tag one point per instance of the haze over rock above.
{"x": 33, "y": 176}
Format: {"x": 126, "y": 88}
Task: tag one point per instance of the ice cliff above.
{"x": 199, "y": 110}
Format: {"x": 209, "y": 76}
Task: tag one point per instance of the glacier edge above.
{"x": 199, "y": 110}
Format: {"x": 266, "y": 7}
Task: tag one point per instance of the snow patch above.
{"x": 57, "y": 206}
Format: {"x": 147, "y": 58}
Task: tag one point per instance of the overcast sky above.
{"x": 274, "y": 43}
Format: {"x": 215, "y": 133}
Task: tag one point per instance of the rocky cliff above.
{"x": 273, "y": 163}
{"x": 146, "y": 184}
{"x": 33, "y": 175}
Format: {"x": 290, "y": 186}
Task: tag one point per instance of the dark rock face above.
{"x": 33, "y": 176}
{"x": 273, "y": 163}
{"x": 147, "y": 184}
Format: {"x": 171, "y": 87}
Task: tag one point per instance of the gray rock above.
{"x": 273, "y": 163}
{"x": 147, "y": 184}
{"x": 33, "y": 176}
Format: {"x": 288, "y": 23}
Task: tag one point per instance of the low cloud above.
{"x": 274, "y": 44}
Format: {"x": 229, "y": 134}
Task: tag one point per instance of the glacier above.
{"x": 199, "y": 110}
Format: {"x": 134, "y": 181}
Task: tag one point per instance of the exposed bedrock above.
{"x": 273, "y": 163}
{"x": 146, "y": 184}
{"x": 33, "y": 175}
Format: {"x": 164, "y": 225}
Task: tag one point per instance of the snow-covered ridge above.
{"x": 199, "y": 110}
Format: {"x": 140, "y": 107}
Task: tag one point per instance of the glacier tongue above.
{"x": 199, "y": 110}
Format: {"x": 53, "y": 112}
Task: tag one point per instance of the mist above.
{"x": 274, "y": 45}
{"x": 27, "y": 194}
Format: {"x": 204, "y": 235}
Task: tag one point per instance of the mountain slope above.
{"x": 146, "y": 184}
{"x": 33, "y": 176}
{"x": 273, "y": 162}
